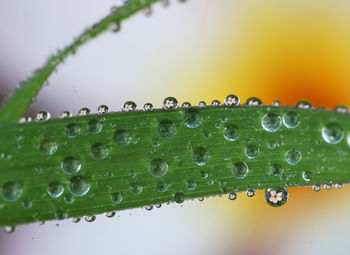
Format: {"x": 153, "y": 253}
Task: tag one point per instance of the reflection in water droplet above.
{"x": 204, "y": 175}
{"x": 328, "y": 186}
{"x": 202, "y": 104}
{"x": 99, "y": 151}
{"x": 332, "y": 133}
{"x": 42, "y": 116}
{"x": 55, "y": 189}
{"x": 78, "y": 186}
{"x": 72, "y": 130}
{"x": 250, "y": 193}
{"x": 9, "y": 229}
{"x": 102, "y": 109}
{"x": 90, "y": 218}
{"x": 110, "y": 214}
{"x": 149, "y": 207}
{"x": 94, "y": 126}
{"x": 148, "y": 107}
{"x": 122, "y": 137}
{"x": 84, "y": 111}
{"x": 293, "y": 156}
{"x": 276, "y": 197}
{"x": 48, "y": 146}
{"x": 192, "y": 118}
{"x": 186, "y": 105}
{"x": 240, "y": 170}
{"x": 129, "y": 106}
{"x": 68, "y": 199}
{"x": 70, "y": 165}
{"x": 166, "y": 129}
{"x": 253, "y": 101}
{"x": 116, "y": 198}
{"x": 65, "y": 114}
{"x": 291, "y": 119}
{"x": 215, "y": 103}
{"x": 251, "y": 151}
{"x": 114, "y": 26}
{"x": 316, "y": 188}
{"x": 179, "y": 197}
{"x": 271, "y": 122}
{"x": 170, "y": 103}
{"x": 276, "y": 103}
{"x": 231, "y": 100}
{"x": 341, "y": 109}
{"x": 339, "y": 185}
{"x": 307, "y": 175}
{"x": 162, "y": 186}
{"x": 200, "y": 156}
{"x": 232, "y": 196}
{"x": 231, "y": 133}
{"x": 11, "y": 191}
{"x": 136, "y": 188}
{"x": 303, "y": 105}
{"x": 158, "y": 167}
{"x": 276, "y": 169}
{"x": 75, "y": 220}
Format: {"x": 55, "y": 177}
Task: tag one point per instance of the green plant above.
{"x": 91, "y": 164}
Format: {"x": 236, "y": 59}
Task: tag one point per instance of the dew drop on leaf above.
{"x": 240, "y": 170}
{"x": 116, "y": 198}
{"x": 231, "y": 132}
{"x": 70, "y": 165}
{"x": 293, "y": 156}
{"x": 200, "y": 156}
{"x": 48, "y": 146}
{"x": 251, "y": 151}
{"x": 231, "y": 100}
{"x": 166, "y": 129}
{"x": 55, "y": 189}
{"x": 78, "y": 186}
{"x": 122, "y": 137}
{"x": 170, "y": 103}
{"x": 291, "y": 119}
{"x": 271, "y": 122}
{"x": 332, "y": 133}
{"x": 158, "y": 167}
{"x": 99, "y": 151}
{"x": 192, "y": 118}
{"x": 11, "y": 191}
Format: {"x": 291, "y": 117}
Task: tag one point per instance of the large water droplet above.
{"x": 170, "y": 103}
{"x": 240, "y": 170}
{"x": 251, "y": 151}
{"x": 55, "y": 189}
{"x": 291, "y": 119}
{"x": 72, "y": 130}
{"x": 253, "y": 101}
{"x": 162, "y": 186}
{"x": 293, "y": 156}
{"x": 109, "y": 214}
{"x": 12, "y": 191}
{"x": 166, "y": 129}
{"x": 148, "y": 107}
{"x": 341, "y": 109}
{"x": 192, "y": 118}
{"x": 158, "y": 167}
{"x": 78, "y": 186}
{"x": 202, "y": 104}
{"x": 99, "y": 151}
{"x": 250, "y": 192}
{"x": 186, "y": 105}
{"x": 94, "y": 126}
{"x": 136, "y": 188}
{"x": 271, "y": 122}
{"x": 215, "y": 103}
{"x": 90, "y": 218}
{"x": 276, "y": 169}
{"x": 129, "y": 106}
{"x": 65, "y": 115}
{"x": 116, "y": 198}
{"x": 122, "y": 137}
{"x": 179, "y": 197}
{"x": 232, "y": 196}
{"x": 231, "y": 133}
{"x": 200, "y": 155}
{"x": 276, "y": 197}
{"x": 48, "y": 146}
{"x": 42, "y": 116}
{"x": 84, "y": 111}
{"x": 70, "y": 165}
{"x": 303, "y": 104}
{"x": 332, "y": 133}
{"x": 102, "y": 109}
{"x": 231, "y": 100}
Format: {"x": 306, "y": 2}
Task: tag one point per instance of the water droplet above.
{"x": 68, "y": 199}
{"x": 332, "y": 133}
{"x": 12, "y": 191}
{"x": 170, "y": 103}
{"x": 166, "y": 129}
{"x": 303, "y": 105}
{"x": 84, "y": 111}
{"x": 316, "y": 188}
{"x": 72, "y": 130}
{"x": 75, "y": 220}
{"x": 114, "y": 10}
{"x": 202, "y": 104}
{"x": 276, "y": 197}
{"x": 276, "y": 169}
{"x": 291, "y": 119}
{"x": 129, "y": 106}
{"x": 293, "y": 156}
{"x": 136, "y": 188}
{"x": 215, "y": 103}
{"x": 186, "y": 105}
{"x": 253, "y": 101}
{"x": 158, "y": 205}
{"x": 232, "y": 196}
{"x": 200, "y": 155}
{"x": 48, "y": 146}
{"x": 65, "y": 115}
{"x": 99, "y": 151}
{"x": 122, "y": 137}
{"x": 191, "y": 185}
{"x": 70, "y": 165}
{"x": 192, "y": 118}
{"x": 90, "y": 218}
{"x": 9, "y": 229}
{"x": 250, "y": 193}
{"x": 148, "y": 107}
{"x": 307, "y": 175}
{"x": 102, "y": 109}
{"x": 341, "y": 109}
{"x": 110, "y": 214}
{"x": 149, "y": 207}
{"x": 116, "y": 198}
{"x": 271, "y": 122}
{"x": 328, "y": 186}
{"x": 231, "y": 100}
{"x": 162, "y": 186}
{"x": 204, "y": 175}
{"x": 27, "y": 204}
{"x": 231, "y": 133}
{"x": 42, "y": 116}
{"x": 114, "y": 26}
{"x": 158, "y": 167}
{"x": 251, "y": 151}
{"x": 179, "y": 197}
{"x": 276, "y": 103}
{"x": 339, "y": 185}
{"x": 55, "y": 189}
{"x": 78, "y": 186}
{"x": 240, "y": 170}
{"x": 25, "y": 119}
{"x": 6, "y": 156}
{"x": 94, "y": 126}
{"x": 61, "y": 214}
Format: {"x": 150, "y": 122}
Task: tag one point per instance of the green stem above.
{"x": 135, "y": 159}
{"x": 15, "y": 107}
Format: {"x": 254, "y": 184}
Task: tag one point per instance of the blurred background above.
{"x": 196, "y": 50}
